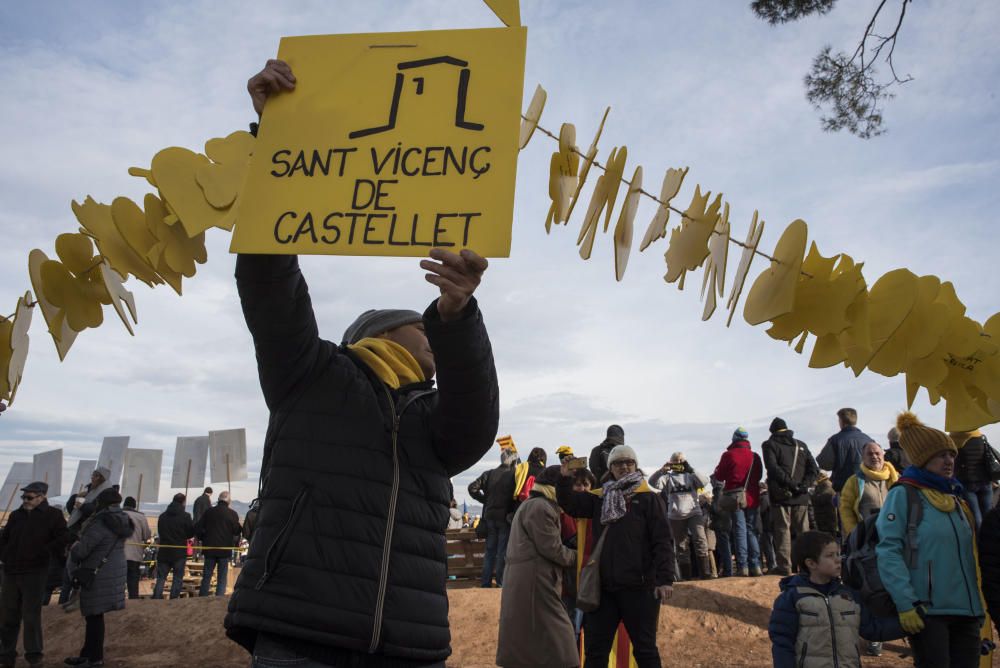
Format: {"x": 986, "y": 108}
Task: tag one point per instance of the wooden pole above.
{"x": 138, "y": 494}
{"x": 187, "y": 480}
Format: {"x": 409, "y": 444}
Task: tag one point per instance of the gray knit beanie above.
{"x": 374, "y": 322}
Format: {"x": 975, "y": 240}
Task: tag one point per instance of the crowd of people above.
{"x": 94, "y": 552}
{"x": 915, "y": 524}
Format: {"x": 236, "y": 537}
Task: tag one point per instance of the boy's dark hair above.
{"x": 809, "y": 545}
{"x": 179, "y": 498}
{"x": 581, "y": 475}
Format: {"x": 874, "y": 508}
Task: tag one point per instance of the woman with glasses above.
{"x": 635, "y": 558}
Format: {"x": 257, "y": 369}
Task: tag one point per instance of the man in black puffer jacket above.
{"x": 791, "y": 471}
{"x": 348, "y": 564}
{"x": 495, "y": 490}
{"x": 173, "y": 527}
{"x": 33, "y": 534}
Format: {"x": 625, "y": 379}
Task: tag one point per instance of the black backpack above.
{"x": 860, "y": 565}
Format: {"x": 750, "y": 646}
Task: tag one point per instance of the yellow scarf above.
{"x": 888, "y": 472}
{"x": 548, "y": 491}
{"x": 391, "y": 362}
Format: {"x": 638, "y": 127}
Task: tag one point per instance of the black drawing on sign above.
{"x": 463, "y": 91}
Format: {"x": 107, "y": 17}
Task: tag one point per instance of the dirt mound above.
{"x": 718, "y": 623}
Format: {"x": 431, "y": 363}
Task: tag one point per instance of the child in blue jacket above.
{"x": 817, "y": 619}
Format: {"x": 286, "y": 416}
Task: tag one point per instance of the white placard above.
{"x": 84, "y": 469}
{"x": 227, "y": 451}
{"x": 47, "y": 467}
{"x": 18, "y": 476}
{"x": 142, "y": 474}
{"x": 113, "y": 456}
{"x": 190, "y": 461}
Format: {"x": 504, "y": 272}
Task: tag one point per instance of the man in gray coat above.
{"x": 135, "y": 546}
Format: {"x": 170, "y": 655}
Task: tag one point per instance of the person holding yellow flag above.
{"x": 348, "y": 561}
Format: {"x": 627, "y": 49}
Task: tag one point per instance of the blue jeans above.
{"x": 497, "y": 533}
{"x": 747, "y": 548}
{"x": 163, "y": 569}
{"x": 979, "y": 496}
{"x": 220, "y": 581}
{"x": 724, "y": 548}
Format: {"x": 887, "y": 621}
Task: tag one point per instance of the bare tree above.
{"x": 846, "y": 89}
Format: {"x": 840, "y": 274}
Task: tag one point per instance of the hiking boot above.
{"x": 874, "y": 649}
{"x": 780, "y": 571}
{"x": 76, "y": 661}
{"x": 755, "y": 572}
{"x": 744, "y": 573}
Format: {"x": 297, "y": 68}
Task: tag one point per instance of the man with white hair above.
{"x": 219, "y": 529}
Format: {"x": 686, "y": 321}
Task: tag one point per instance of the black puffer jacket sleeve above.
{"x": 279, "y": 315}
{"x": 661, "y": 541}
{"x": 468, "y": 411}
{"x": 989, "y": 562}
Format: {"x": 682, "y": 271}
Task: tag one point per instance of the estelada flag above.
{"x": 506, "y": 443}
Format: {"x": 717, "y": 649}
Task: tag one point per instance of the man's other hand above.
{"x": 457, "y": 276}
{"x": 274, "y": 78}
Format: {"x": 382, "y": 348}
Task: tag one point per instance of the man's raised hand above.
{"x": 274, "y": 78}
{"x": 457, "y": 275}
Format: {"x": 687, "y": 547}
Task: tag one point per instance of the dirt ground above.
{"x": 718, "y": 623}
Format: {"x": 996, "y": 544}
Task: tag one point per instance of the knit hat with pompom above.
{"x": 920, "y": 442}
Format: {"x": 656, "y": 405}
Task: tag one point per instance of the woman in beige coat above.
{"x": 534, "y": 627}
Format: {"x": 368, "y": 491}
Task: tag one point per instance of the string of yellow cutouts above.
{"x": 160, "y": 243}
{"x": 909, "y": 324}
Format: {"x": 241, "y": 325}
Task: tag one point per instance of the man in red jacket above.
{"x": 741, "y": 469}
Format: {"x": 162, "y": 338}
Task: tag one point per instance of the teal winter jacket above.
{"x": 944, "y": 579}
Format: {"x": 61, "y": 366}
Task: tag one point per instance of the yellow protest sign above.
{"x": 390, "y": 144}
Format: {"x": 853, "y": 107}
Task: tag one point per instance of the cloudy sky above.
{"x": 94, "y": 88}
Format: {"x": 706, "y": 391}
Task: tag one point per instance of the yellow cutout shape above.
{"x": 78, "y": 297}
{"x": 563, "y": 170}
{"x": 657, "y": 229}
{"x": 743, "y": 268}
{"x": 174, "y": 170}
{"x": 773, "y": 293}
{"x": 55, "y": 318}
{"x": 891, "y": 299}
{"x": 130, "y": 221}
{"x": 19, "y": 343}
{"x": 531, "y": 117}
{"x": 97, "y": 221}
{"x": 588, "y": 162}
{"x": 76, "y": 251}
{"x": 714, "y": 279}
{"x": 508, "y": 11}
{"x": 407, "y": 149}
{"x": 221, "y": 179}
{"x": 919, "y": 333}
{"x": 821, "y": 298}
{"x": 174, "y": 248}
{"x": 689, "y": 241}
{"x": 6, "y": 327}
{"x": 625, "y": 225}
{"x": 615, "y": 172}
{"x": 120, "y": 298}
{"x": 604, "y": 195}
{"x": 966, "y": 408}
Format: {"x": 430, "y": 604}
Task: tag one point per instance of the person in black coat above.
{"x": 635, "y": 561}
{"x": 202, "y": 503}
{"x": 989, "y": 563}
{"x": 174, "y": 527}
{"x": 33, "y": 534}
{"x": 972, "y": 470}
{"x": 348, "y": 561}
{"x": 219, "y": 530}
{"x": 791, "y": 471}
{"x": 495, "y": 490}
{"x": 598, "y": 461}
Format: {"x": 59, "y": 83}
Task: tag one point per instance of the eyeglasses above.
{"x": 623, "y": 462}
{"x": 28, "y": 497}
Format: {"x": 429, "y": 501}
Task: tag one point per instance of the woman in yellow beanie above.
{"x": 933, "y": 578}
